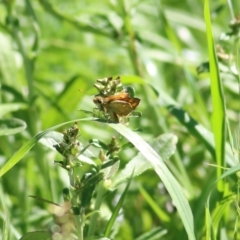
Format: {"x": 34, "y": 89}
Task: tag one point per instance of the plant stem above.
{"x": 137, "y": 65}
{"x": 79, "y": 220}
{"x": 110, "y": 31}
{"x": 100, "y": 192}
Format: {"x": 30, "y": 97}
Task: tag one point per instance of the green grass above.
{"x": 180, "y": 157}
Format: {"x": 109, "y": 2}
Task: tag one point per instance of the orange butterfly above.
{"x": 119, "y": 105}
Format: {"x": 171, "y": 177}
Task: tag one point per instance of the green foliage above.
{"x": 218, "y": 101}
{"x": 38, "y": 235}
{"x": 171, "y": 172}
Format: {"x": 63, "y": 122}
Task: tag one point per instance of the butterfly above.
{"x": 115, "y": 106}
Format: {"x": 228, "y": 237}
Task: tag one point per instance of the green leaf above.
{"x": 172, "y": 186}
{"x": 53, "y": 138}
{"x": 218, "y": 102}
{"x": 164, "y": 145}
{"x": 163, "y": 217}
{"x": 88, "y": 188}
{"x": 220, "y": 210}
{"x": 153, "y": 234}
{"x": 11, "y": 107}
{"x": 38, "y": 235}
{"x": 212, "y": 222}
{"x": 29, "y": 144}
{"x": 208, "y": 224}
{"x": 44, "y": 200}
{"x": 7, "y": 228}
{"x": 8, "y": 68}
{"x": 110, "y": 168}
{"x": 229, "y": 172}
{"x": 116, "y": 211}
{"x": 193, "y": 127}
{"x": 50, "y": 139}
{"x": 11, "y": 126}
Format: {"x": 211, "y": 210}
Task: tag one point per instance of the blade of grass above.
{"x": 101, "y": 190}
{"x": 11, "y": 126}
{"x": 164, "y": 145}
{"x": 218, "y": 102}
{"x": 8, "y": 230}
{"x": 6, "y": 217}
{"x": 92, "y": 28}
{"x": 196, "y": 129}
{"x": 28, "y": 145}
{"x": 208, "y": 224}
{"x": 116, "y": 210}
{"x": 11, "y": 107}
{"x": 166, "y": 176}
{"x": 158, "y": 211}
{"x": 37, "y": 235}
{"x": 153, "y": 234}
{"x": 212, "y": 221}
{"x": 174, "y": 39}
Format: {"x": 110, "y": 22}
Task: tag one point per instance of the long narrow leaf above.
{"x": 11, "y": 126}
{"x": 218, "y": 103}
{"x": 166, "y": 176}
{"x": 116, "y": 210}
{"x": 211, "y": 221}
{"x": 28, "y": 145}
{"x": 157, "y": 210}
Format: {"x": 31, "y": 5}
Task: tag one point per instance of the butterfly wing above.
{"x": 121, "y": 108}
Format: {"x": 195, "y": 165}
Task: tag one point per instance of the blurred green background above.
{"x": 52, "y": 52}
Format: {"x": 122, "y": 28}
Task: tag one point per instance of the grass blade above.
{"x": 166, "y": 176}
{"x": 218, "y": 102}
{"x": 28, "y": 145}
{"x": 116, "y": 211}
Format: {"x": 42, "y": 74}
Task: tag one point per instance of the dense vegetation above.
{"x": 171, "y": 173}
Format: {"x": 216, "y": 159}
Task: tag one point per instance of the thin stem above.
{"x": 137, "y": 65}
{"x": 107, "y": 32}
{"x": 80, "y": 223}
{"x": 79, "y": 219}
{"x": 71, "y": 177}
{"x": 231, "y": 8}
{"x": 100, "y": 192}
{"x": 14, "y": 30}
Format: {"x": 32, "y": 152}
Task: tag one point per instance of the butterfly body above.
{"x": 119, "y": 105}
